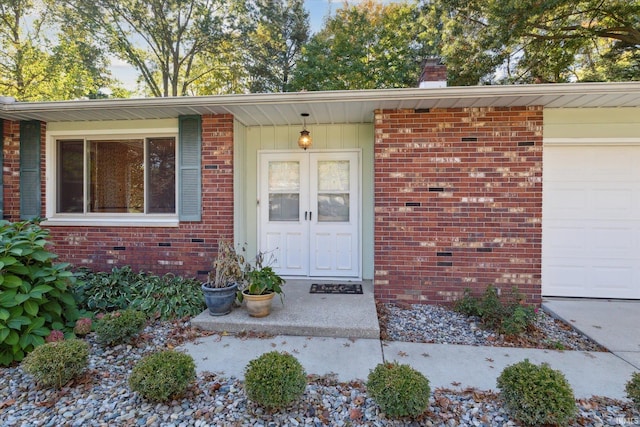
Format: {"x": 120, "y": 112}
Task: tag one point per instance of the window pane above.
{"x": 333, "y": 175}
{"x": 116, "y": 176}
{"x": 161, "y": 178}
{"x": 284, "y": 176}
{"x": 70, "y": 176}
{"x": 333, "y": 207}
{"x": 284, "y": 207}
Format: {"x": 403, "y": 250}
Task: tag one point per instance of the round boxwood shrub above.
{"x": 536, "y": 394}
{"x": 56, "y": 363}
{"x": 274, "y": 380}
{"x": 399, "y": 390}
{"x": 633, "y": 389}
{"x": 120, "y": 326}
{"x": 162, "y": 375}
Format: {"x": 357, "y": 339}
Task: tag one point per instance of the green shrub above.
{"x": 537, "y": 395}
{"x": 162, "y": 375}
{"x": 506, "y": 316}
{"x": 56, "y": 363}
{"x": 120, "y": 326}
{"x": 274, "y": 380}
{"x": 633, "y": 389}
{"x": 468, "y": 304}
{"x": 399, "y": 390}
{"x": 168, "y": 296}
{"x": 35, "y": 292}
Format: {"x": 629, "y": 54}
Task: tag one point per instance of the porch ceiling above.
{"x": 328, "y": 107}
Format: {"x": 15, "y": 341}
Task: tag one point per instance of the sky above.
{"x": 317, "y": 9}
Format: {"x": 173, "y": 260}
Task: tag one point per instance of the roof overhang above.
{"x": 328, "y": 107}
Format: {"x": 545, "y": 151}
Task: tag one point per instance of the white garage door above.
{"x": 591, "y": 221}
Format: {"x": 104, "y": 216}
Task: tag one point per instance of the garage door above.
{"x": 591, "y": 221}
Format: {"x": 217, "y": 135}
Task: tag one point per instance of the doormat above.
{"x": 335, "y": 288}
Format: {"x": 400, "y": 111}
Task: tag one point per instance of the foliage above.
{"x": 119, "y": 326}
{"x": 274, "y": 380}
{"x": 55, "y": 336}
{"x": 400, "y": 390}
{"x": 278, "y": 30}
{"x": 633, "y": 389}
{"x": 551, "y": 41}
{"x": 56, "y": 363}
{"x": 368, "y": 45}
{"x": 510, "y": 317}
{"x": 161, "y": 39}
{"x": 41, "y": 58}
{"x": 162, "y": 375}
{"x": 537, "y": 395}
{"x": 83, "y": 326}
{"x": 229, "y": 267}
{"x": 264, "y": 280}
{"x": 168, "y": 296}
{"x": 35, "y": 295}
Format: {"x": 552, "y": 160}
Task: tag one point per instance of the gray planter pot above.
{"x": 219, "y": 300}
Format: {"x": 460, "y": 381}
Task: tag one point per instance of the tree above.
{"x": 365, "y": 46}
{"x": 35, "y": 68}
{"x": 162, "y": 39}
{"x": 526, "y": 41}
{"x": 274, "y": 43}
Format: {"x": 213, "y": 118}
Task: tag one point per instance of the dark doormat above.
{"x": 335, "y": 288}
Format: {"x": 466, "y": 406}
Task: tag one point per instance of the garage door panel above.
{"x": 591, "y": 221}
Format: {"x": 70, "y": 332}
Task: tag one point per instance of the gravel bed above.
{"x": 441, "y": 325}
{"x": 101, "y": 397}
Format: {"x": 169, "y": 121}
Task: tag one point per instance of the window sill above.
{"x": 85, "y": 221}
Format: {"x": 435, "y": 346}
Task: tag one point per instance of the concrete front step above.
{"x": 305, "y": 314}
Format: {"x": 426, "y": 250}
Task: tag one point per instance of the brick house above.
{"x": 425, "y": 191}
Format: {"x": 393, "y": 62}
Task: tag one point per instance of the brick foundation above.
{"x": 458, "y": 202}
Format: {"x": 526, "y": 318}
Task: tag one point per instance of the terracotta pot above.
{"x": 258, "y": 305}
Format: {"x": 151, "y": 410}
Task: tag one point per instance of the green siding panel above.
{"x": 190, "y": 135}
{"x": 30, "y": 205}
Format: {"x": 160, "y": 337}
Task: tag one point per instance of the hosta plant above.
{"x": 35, "y": 292}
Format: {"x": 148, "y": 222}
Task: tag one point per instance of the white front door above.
{"x": 309, "y": 217}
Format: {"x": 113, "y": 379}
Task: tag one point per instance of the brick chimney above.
{"x": 434, "y": 74}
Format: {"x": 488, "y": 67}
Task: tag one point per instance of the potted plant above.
{"x": 229, "y": 272}
{"x": 263, "y": 285}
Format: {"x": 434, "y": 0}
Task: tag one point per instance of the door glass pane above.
{"x": 284, "y": 176}
{"x": 161, "y": 181}
{"x": 284, "y": 191}
{"x": 116, "y": 176}
{"x": 333, "y": 191}
{"x": 333, "y": 207}
{"x": 333, "y": 176}
{"x": 70, "y": 176}
{"x": 284, "y": 207}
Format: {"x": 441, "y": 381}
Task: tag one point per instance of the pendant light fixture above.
{"x": 304, "y": 141}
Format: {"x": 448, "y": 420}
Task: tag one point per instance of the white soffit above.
{"x": 331, "y": 106}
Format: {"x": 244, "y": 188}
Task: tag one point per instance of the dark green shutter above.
{"x": 1, "y": 169}
{"x": 30, "y": 206}
{"x": 190, "y": 150}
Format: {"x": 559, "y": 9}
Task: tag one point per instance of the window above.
{"x": 120, "y": 176}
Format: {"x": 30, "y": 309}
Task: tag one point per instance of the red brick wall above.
{"x": 184, "y": 250}
{"x": 458, "y": 202}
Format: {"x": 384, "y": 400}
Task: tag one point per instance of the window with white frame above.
{"x": 116, "y": 175}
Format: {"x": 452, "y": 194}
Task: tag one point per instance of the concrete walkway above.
{"x": 614, "y": 324}
{"x": 447, "y": 366}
